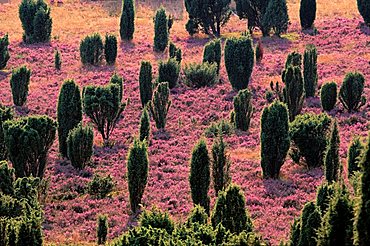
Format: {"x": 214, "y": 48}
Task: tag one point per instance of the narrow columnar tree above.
{"x": 144, "y": 126}
{"x": 137, "y": 172}
{"x": 354, "y": 156}
{"x": 307, "y": 13}
{"x": 212, "y": 53}
{"x": 102, "y": 229}
{"x": 4, "y": 51}
{"x": 127, "y": 24}
{"x": 275, "y": 139}
{"x": 230, "y": 211}
{"x": 350, "y": 93}
{"x": 325, "y": 193}
{"x": 200, "y": 175}
{"x": 110, "y": 49}
{"x": 243, "y": 110}
{"x": 328, "y": 96}
{"x": 160, "y": 105}
{"x": 57, "y": 60}
{"x": 276, "y": 17}
{"x": 69, "y": 112}
{"x": 80, "y": 143}
{"x": 5, "y": 114}
{"x": 117, "y": 80}
{"x": 19, "y": 83}
{"x": 310, "y": 223}
{"x": 332, "y": 158}
{"x": 220, "y": 165}
{"x": 161, "y": 33}
{"x": 145, "y": 82}
{"x": 310, "y": 70}
{"x": 364, "y": 9}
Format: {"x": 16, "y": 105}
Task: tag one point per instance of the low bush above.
{"x": 91, "y": 49}
{"x": 243, "y": 110}
{"x": 99, "y": 187}
{"x": 80, "y": 143}
{"x": 214, "y": 130}
{"x": 169, "y": 71}
{"x": 19, "y": 83}
{"x": 328, "y": 96}
{"x": 201, "y": 75}
{"x": 157, "y": 219}
{"x": 212, "y": 53}
{"x": 350, "y": 93}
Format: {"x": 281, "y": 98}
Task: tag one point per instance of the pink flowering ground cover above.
{"x": 70, "y": 213}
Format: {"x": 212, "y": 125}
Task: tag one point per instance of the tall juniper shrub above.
{"x": 19, "y": 83}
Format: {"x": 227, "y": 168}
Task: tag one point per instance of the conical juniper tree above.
{"x": 127, "y": 22}
{"x": 307, "y": 13}
{"x": 332, "y": 158}
{"x": 161, "y": 32}
{"x": 4, "y": 51}
{"x": 220, "y": 165}
{"x": 243, "y": 110}
{"x": 144, "y": 133}
{"x": 310, "y": 70}
{"x": 310, "y": 223}
{"x": 145, "y": 82}
{"x": 160, "y": 105}
{"x": 6, "y": 113}
{"x": 354, "y": 156}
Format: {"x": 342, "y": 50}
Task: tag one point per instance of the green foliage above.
{"x": 169, "y": 72}
{"x": 110, "y": 49}
{"x": 34, "y": 136}
{"x": 127, "y": 22}
{"x": 6, "y": 179}
{"x": 259, "y": 51}
{"x": 364, "y": 9}
{"x": 354, "y": 156}
{"x": 307, "y": 13}
{"x": 310, "y": 223}
{"x": 310, "y": 134}
{"x": 99, "y": 187}
{"x": 19, "y": 83}
{"x": 103, "y": 106}
{"x": 253, "y": 10}
{"x": 36, "y": 21}
{"x": 4, "y": 51}
{"x": 57, "y": 60}
{"x": 350, "y": 93}
{"x": 310, "y": 69}
{"x": 294, "y": 92}
{"x": 161, "y": 33}
{"x": 117, "y": 80}
{"x": 200, "y": 175}
{"x": 156, "y": 219}
{"x": 230, "y": 211}
{"x": 80, "y": 143}
{"x": 243, "y": 110}
{"x": 293, "y": 59}
{"x": 197, "y": 215}
{"x": 239, "y": 61}
{"x": 137, "y": 172}
{"x": 333, "y": 168}
{"x": 325, "y": 192}
{"x": 160, "y": 105}
{"x": 6, "y": 113}
{"x": 328, "y": 96}
{"x": 276, "y": 17}
{"x": 69, "y": 112}
{"x": 91, "y": 49}
{"x": 102, "y": 229}
{"x": 175, "y": 52}
{"x": 214, "y": 130}
{"x": 209, "y": 16}
{"x": 145, "y": 82}
{"x": 144, "y": 126}
{"x": 295, "y": 232}
{"x": 275, "y": 139}
{"x": 201, "y": 75}
{"x": 212, "y": 53}
{"x": 220, "y": 165}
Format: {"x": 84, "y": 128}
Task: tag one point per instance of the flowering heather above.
{"x": 70, "y": 213}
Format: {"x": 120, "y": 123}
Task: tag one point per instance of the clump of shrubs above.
{"x": 307, "y": 13}
{"x": 4, "y": 51}
{"x": 157, "y": 219}
{"x": 91, "y": 49}
{"x": 110, "y": 49}
{"x": 201, "y": 75}
{"x": 161, "y": 32}
{"x": 19, "y": 83}
{"x": 100, "y": 186}
{"x": 328, "y": 96}
{"x": 80, "y": 142}
{"x": 243, "y": 110}
{"x": 239, "y": 61}
{"x": 145, "y": 82}
{"x": 216, "y": 128}
{"x": 36, "y": 21}
{"x": 310, "y": 70}
{"x": 212, "y": 53}
{"x": 175, "y": 52}
{"x": 127, "y": 21}
{"x": 169, "y": 71}
{"x": 160, "y": 105}
{"x": 350, "y": 93}
{"x": 57, "y": 60}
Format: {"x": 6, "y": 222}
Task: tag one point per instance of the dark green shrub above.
{"x": 253, "y": 10}
{"x": 310, "y": 69}
{"x": 5, "y": 114}
{"x": 127, "y": 23}
{"x": 364, "y": 9}
{"x": 212, "y": 53}
{"x": 354, "y": 156}
{"x": 175, "y": 52}
{"x": 294, "y": 93}
{"x": 36, "y": 21}
{"x": 332, "y": 158}
{"x": 4, "y": 51}
{"x": 117, "y": 80}
{"x": 276, "y": 17}
{"x": 69, "y": 112}
{"x": 310, "y": 134}
{"x": 214, "y": 130}
{"x": 170, "y": 21}
{"x": 243, "y": 110}
{"x": 34, "y": 135}
{"x": 19, "y": 83}
{"x": 239, "y": 61}
{"x": 80, "y": 143}
{"x": 209, "y": 16}
{"x": 200, "y": 175}
{"x": 275, "y": 140}
{"x": 103, "y": 106}
{"x": 295, "y": 232}
{"x": 197, "y": 215}
{"x": 220, "y": 165}
{"x": 325, "y": 192}
{"x": 230, "y": 211}
{"x": 350, "y": 93}
{"x": 91, "y": 49}
{"x": 144, "y": 126}
{"x": 160, "y": 105}
{"x": 110, "y": 49}
{"x": 57, "y": 60}
{"x": 293, "y": 59}
{"x": 244, "y": 238}
{"x": 145, "y": 81}
{"x": 328, "y": 96}
{"x": 102, "y": 229}
{"x": 160, "y": 30}
{"x": 310, "y": 223}
{"x": 192, "y": 27}
{"x": 201, "y": 75}
{"x": 137, "y": 172}
{"x": 169, "y": 72}
{"x": 259, "y": 51}
{"x": 307, "y": 13}
{"x": 157, "y": 219}
{"x": 6, "y": 179}
{"x": 99, "y": 187}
